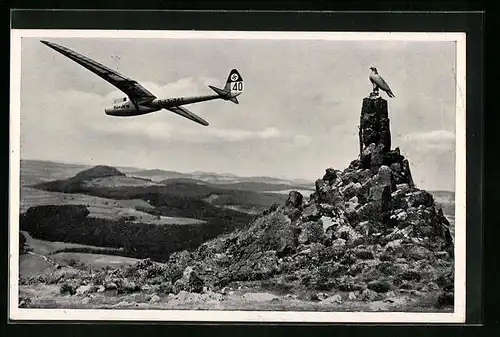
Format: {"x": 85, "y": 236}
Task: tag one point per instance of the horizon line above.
{"x": 194, "y": 172}
{"x": 164, "y": 169}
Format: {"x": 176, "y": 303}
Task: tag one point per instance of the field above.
{"x": 43, "y": 254}
{"x": 100, "y": 207}
{"x": 94, "y": 261}
{"x": 42, "y": 247}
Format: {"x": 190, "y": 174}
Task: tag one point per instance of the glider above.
{"x": 378, "y": 82}
{"x": 140, "y": 101}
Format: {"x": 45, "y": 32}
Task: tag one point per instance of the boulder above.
{"x": 385, "y": 177}
{"x": 69, "y": 287}
{"x": 275, "y": 232}
{"x": 377, "y": 158}
{"x": 294, "y": 199}
{"x": 190, "y": 282}
{"x": 86, "y": 289}
{"x": 379, "y": 286}
{"x": 382, "y": 195}
{"x": 329, "y": 222}
{"x": 339, "y": 242}
{"x": 333, "y": 299}
{"x": 350, "y": 209}
{"x": 311, "y": 231}
{"x": 311, "y": 212}
{"x": 350, "y": 190}
{"x": 346, "y": 233}
{"x": 326, "y": 209}
{"x": 366, "y": 156}
{"x": 330, "y": 175}
{"x": 371, "y": 211}
{"x": 126, "y": 286}
{"x": 420, "y": 198}
{"x": 154, "y": 299}
{"x": 364, "y": 254}
{"x": 393, "y": 157}
{"x": 327, "y": 193}
{"x": 368, "y": 295}
{"x": 419, "y": 253}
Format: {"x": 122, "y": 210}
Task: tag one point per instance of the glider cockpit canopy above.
{"x": 119, "y": 100}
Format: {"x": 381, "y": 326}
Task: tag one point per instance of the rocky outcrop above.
{"x": 366, "y": 231}
{"x": 375, "y": 142}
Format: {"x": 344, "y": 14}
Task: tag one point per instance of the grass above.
{"x": 44, "y": 247}
{"x": 30, "y": 264}
{"x": 93, "y": 261}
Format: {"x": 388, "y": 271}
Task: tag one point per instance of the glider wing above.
{"x": 188, "y": 114}
{"x": 131, "y": 88}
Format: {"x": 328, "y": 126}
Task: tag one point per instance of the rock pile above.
{"x": 366, "y": 228}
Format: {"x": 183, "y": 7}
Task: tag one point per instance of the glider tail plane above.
{"x": 233, "y": 87}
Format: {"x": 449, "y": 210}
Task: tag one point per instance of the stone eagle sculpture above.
{"x": 379, "y": 83}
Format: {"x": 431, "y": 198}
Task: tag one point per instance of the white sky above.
{"x": 298, "y": 115}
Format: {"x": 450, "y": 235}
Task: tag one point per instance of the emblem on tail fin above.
{"x": 232, "y": 88}
{"x": 234, "y": 83}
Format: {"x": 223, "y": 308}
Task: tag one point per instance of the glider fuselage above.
{"x": 127, "y": 108}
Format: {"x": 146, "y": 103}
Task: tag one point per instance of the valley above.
{"x": 125, "y": 209}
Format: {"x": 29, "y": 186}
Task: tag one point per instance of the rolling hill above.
{"x": 219, "y": 178}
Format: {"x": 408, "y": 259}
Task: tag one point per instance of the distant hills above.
{"x": 181, "y": 197}
{"x": 37, "y": 171}
{"x": 53, "y": 170}
{"x": 219, "y": 178}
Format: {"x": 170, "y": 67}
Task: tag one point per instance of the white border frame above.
{"x": 15, "y": 313}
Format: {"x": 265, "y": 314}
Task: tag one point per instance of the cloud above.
{"x": 443, "y": 140}
{"x": 301, "y": 140}
{"x": 82, "y": 114}
{"x": 241, "y": 135}
{"x": 433, "y": 136}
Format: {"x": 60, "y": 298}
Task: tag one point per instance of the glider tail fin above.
{"x": 232, "y": 88}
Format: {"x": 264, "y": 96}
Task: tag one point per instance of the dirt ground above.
{"x": 48, "y": 296}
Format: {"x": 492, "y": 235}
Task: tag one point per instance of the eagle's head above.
{"x": 373, "y": 69}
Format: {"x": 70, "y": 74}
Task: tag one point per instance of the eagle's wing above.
{"x": 131, "y": 88}
{"x": 188, "y": 114}
{"x": 381, "y": 83}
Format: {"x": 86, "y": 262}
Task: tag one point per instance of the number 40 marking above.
{"x": 238, "y": 86}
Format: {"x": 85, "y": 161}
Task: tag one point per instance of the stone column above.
{"x": 374, "y": 124}
{"x": 374, "y": 133}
